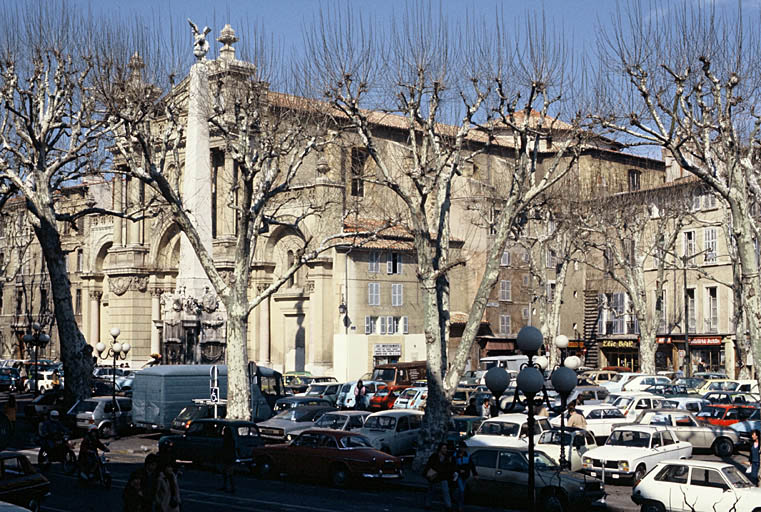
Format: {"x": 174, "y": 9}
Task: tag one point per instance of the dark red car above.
{"x": 725, "y": 415}
{"x": 336, "y": 455}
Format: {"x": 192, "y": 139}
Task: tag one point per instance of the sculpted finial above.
{"x": 200, "y": 44}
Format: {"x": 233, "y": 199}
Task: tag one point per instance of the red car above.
{"x": 338, "y": 455}
{"x": 725, "y": 414}
{"x": 385, "y": 397}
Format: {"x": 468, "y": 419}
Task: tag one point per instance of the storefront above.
{"x": 386, "y": 353}
{"x": 621, "y": 353}
{"x": 709, "y": 349}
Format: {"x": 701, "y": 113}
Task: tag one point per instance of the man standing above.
{"x": 439, "y": 471}
{"x": 575, "y": 419}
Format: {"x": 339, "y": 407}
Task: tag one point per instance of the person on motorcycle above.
{"x": 51, "y": 432}
{"x": 88, "y": 453}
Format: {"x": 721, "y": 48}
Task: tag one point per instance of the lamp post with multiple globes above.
{"x": 37, "y": 339}
{"x": 117, "y": 351}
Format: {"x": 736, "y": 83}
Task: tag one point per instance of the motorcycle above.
{"x": 101, "y": 475}
{"x": 62, "y": 452}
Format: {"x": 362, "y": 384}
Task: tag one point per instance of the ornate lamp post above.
{"x": 563, "y": 380}
{"x": 561, "y": 342}
{"x": 38, "y": 340}
{"x": 530, "y": 382}
{"x": 117, "y": 351}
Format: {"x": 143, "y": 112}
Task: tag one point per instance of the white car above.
{"x": 44, "y": 381}
{"x": 394, "y": 431}
{"x": 631, "y": 403}
{"x": 601, "y": 419}
{"x": 614, "y": 384}
{"x": 576, "y": 442}
{"x": 631, "y": 451}
{"x": 346, "y": 398}
{"x": 642, "y": 382}
{"x": 507, "y": 430}
{"x": 694, "y": 405}
{"x": 696, "y": 486}
{"x": 411, "y": 398}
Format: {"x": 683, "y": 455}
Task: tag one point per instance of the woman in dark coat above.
{"x": 228, "y": 459}
{"x": 754, "y": 457}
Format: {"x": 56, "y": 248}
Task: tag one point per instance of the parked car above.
{"x": 325, "y": 390}
{"x": 696, "y": 486}
{"x": 302, "y": 383}
{"x": 289, "y": 402}
{"x": 277, "y": 428}
{"x": 385, "y": 397}
{"x": 99, "y": 412}
{"x": 203, "y": 442}
{"x": 411, "y": 398}
{"x": 107, "y": 372}
{"x": 725, "y": 414}
{"x": 507, "y": 429}
{"x": 460, "y": 399}
{"x": 710, "y": 375}
{"x": 588, "y": 395}
{"x": 471, "y": 378}
{"x": 576, "y": 442}
{"x": 200, "y": 409}
{"x": 631, "y": 451}
{"x": 21, "y": 483}
{"x": 346, "y": 398}
{"x": 744, "y": 428}
{"x": 41, "y": 406}
{"x": 615, "y": 384}
{"x": 601, "y": 419}
{"x": 462, "y": 428}
{"x": 503, "y": 481}
{"x": 693, "y": 384}
{"x": 335, "y": 420}
{"x": 668, "y": 390}
{"x": 720, "y": 440}
{"x": 44, "y": 381}
{"x": 748, "y": 386}
{"x": 290, "y": 377}
{"x": 10, "y": 379}
{"x": 633, "y": 402}
{"x": 718, "y": 385}
{"x": 598, "y": 377}
{"x": 394, "y": 431}
{"x": 692, "y": 404}
{"x": 336, "y": 455}
{"x": 642, "y": 382}
{"x": 730, "y": 397}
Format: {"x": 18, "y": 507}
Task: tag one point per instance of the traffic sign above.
{"x": 214, "y": 395}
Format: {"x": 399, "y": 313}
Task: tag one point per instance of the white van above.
{"x": 510, "y": 363}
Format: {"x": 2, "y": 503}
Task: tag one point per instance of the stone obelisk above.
{"x": 196, "y": 179}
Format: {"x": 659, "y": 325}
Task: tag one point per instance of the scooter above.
{"x": 62, "y": 452}
{"x": 100, "y": 476}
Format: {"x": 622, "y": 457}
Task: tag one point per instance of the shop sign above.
{"x": 387, "y": 349}
{"x": 706, "y": 340}
{"x": 619, "y": 344}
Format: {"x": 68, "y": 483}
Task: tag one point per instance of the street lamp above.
{"x": 117, "y": 351}
{"x": 561, "y": 342}
{"x": 37, "y": 340}
{"x": 563, "y": 380}
{"x": 530, "y": 381}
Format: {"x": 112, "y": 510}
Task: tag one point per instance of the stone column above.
{"x": 95, "y": 296}
{"x": 264, "y": 329}
{"x": 117, "y": 184}
{"x": 155, "y": 320}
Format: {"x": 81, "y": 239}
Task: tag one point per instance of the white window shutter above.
{"x": 389, "y": 264}
{"x": 368, "y": 325}
{"x": 405, "y": 325}
{"x": 383, "y": 325}
{"x": 401, "y": 295}
{"x": 370, "y": 294}
{"x": 390, "y": 325}
{"x": 399, "y": 265}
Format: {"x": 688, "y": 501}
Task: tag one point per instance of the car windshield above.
{"x": 553, "y": 437}
{"x": 542, "y": 461}
{"x": 617, "y": 377}
{"x": 382, "y": 392}
{"x": 737, "y": 479}
{"x": 316, "y": 389}
{"x": 461, "y": 395}
{"x": 408, "y": 394}
{"x": 295, "y": 414}
{"x": 630, "y": 438}
{"x": 189, "y": 413}
{"x": 690, "y": 382}
{"x": 346, "y": 387}
{"x": 381, "y": 422}
{"x": 84, "y": 406}
{"x": 386, "y": 374}
{"x": 355, "y": 442}
{"x": 711, "y": 412}
{"x": 334, "y": 421}
{"x": 623, "y": 402}
{"x": 498, "y": 428}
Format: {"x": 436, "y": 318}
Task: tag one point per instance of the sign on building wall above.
{"x": 619, "y": 344}
{"x": 387, "y": 349}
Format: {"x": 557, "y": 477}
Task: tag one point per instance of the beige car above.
{"x": 598, "y": 377}
{"x": 720, "y": 440}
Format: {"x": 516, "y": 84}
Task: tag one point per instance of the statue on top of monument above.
{"x": 200, "y": 44}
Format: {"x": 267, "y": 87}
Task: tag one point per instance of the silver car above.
{"x": 394, "y": 431}
{"x": 99, "y": 412}
{"x": 277, "y": 428}
{"x": 721, "y": 440}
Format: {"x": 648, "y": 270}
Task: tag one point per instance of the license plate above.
{"x": 614, "y": 475}
{"x": 593, "y": 473}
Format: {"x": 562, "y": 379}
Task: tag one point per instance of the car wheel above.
{"x": 33, "y": 505}
{"x": 652, "y": 506}
{"x": 639, "y": 473}
{"x": 723, "y": 447}
{"x": 264, "y": 468}
{"x": 339, "y": 476}
{"x": 43, "y": 460}
{"x": 551, "y": 503}
{"x": 105, "y": 431}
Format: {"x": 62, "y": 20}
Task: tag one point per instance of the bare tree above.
{"x": 687, "y": 80}
{"x": 49, "y": 136}
{"x": 452, "y": 100}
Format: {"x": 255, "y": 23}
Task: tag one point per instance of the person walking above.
{"x": 167, "y": 490}
{"x": 575, "y": 419}
{"x": 149, "y": 475}
{"x": 464, "y": 467}
{"x": 439, "y": 471}
{"x": 228, "y": 460}
{"x": 360, "y": 394}
{"x": 11, "y": 409}
{"x": 486, "y": 409}
{"x": 132, "y": 497}
{"x": 754, "y": 457}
